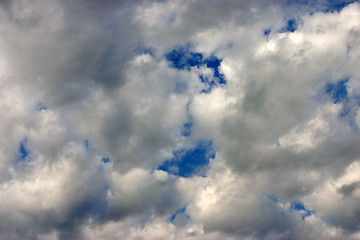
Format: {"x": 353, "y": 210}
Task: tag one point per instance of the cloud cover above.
{"x": 93, "y": 105}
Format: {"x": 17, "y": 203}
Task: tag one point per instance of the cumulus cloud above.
{"x": 179, "y": 119}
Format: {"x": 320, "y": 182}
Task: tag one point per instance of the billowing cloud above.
{"x": 179, "y": 119}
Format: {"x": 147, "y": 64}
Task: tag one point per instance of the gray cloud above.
{"x": 348, "y": 189}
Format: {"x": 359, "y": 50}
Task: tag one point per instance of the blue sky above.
{"x": 189, "y": 162}
{"x": 180, "y": 119}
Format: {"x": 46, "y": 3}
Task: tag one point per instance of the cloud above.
{"x": 179, "y": 119}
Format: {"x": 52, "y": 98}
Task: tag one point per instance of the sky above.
{"x": 180, "y": 119}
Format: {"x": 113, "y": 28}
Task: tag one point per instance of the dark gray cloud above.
{"x": 348, "y": 189}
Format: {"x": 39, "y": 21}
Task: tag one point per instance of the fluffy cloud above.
{"x": 179, "y": 120}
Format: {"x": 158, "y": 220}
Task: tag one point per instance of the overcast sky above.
{"x": 180, "y": 119}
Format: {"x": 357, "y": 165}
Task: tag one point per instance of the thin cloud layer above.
{"x": 179, "y": 120}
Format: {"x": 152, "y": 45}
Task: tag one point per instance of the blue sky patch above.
{"x": 329, "y": 6}
{"x": 299, "y": 207}
{"x": 105, "y": 160}
{"x": 190, "y": 162}
{"x": 337, "y": 6}
{"x": 23, "y": 154}
{"x": 176, "y": 213}
{"x": 267, "y": 32}
{"x": 291, "y": 26}
{"x": 214, "y": 63}
{"x": 183, "y": 58}
{"x": 209, "y": 83}
{"x": 337, "y": 91}
{"x": 187, "y": 127}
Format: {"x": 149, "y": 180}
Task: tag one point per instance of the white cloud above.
{"x": 84, "y": 81}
